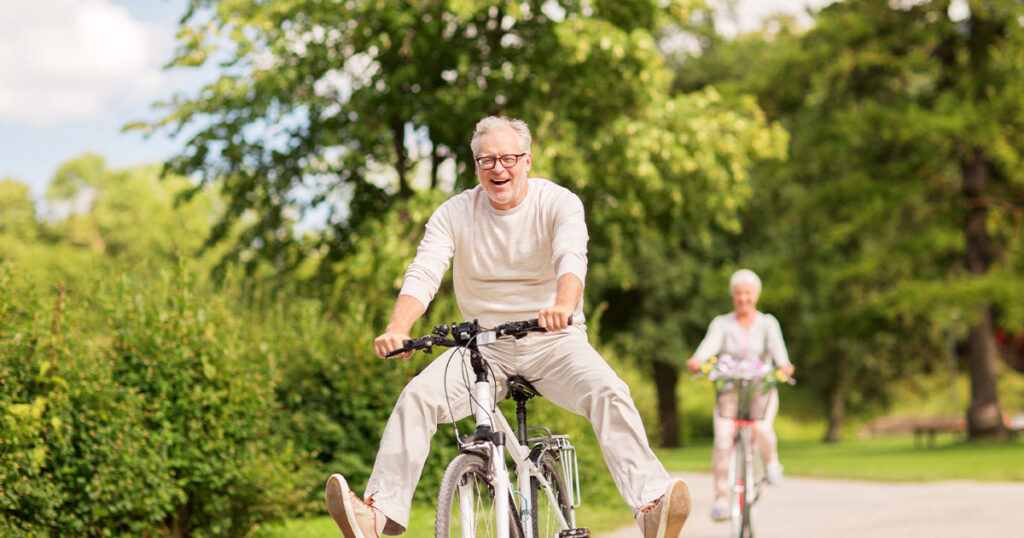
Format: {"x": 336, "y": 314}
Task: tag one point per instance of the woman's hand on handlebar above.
{"x": 390, "y": 341}
{"x": 555, "y": 318}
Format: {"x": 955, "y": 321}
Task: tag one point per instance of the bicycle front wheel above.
{"x": 544, "y": 514}
{"x": 465, "y": 502}
{"x": 743, "y": 486}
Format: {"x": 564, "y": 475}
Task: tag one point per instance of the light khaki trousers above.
{"x": 725, "y": 429}
{"x": 564, "y": 368}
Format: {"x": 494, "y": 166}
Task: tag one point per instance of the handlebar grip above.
{"x": 534, "y": 322}
{"x": 398, "y": 351}
{"x": 411, "y": 344}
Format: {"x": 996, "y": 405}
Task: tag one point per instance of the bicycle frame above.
{"x": 492, "y": 431}
{"x": 746, "y": 488}
{"x": 485, "y": 448}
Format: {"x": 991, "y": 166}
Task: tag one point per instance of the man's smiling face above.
{"x": 505, "y": 187}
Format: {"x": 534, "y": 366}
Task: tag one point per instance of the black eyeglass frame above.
{"x": 500, "y": 158}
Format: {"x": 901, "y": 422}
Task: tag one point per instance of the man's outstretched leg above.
{"x": 404, "y": 446}
{"x": 575, "y": 377}
{"x": 355, "y": 517}
{"x": 664, "y": 517}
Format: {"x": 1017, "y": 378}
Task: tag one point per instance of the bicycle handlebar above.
{"x": 462, "y": 334}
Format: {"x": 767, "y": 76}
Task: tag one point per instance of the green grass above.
{"x": 890, "y": 459}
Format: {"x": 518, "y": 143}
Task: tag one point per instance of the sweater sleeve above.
{"x": 569, "y": 247}
{"x": 775, "y": 345}
{"x": 433, "y": 257}
{"x": 713, "y": 341}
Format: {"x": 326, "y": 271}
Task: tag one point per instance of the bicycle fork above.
{"x": 483, "y": 405}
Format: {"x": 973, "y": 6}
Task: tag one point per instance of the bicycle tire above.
{"x": 542, "y": 513}
{"x": 742, "y": 485}
{"x": 737, "y": 472}
{"x": 756, "y": 476}
{"x": 749, "y": 491}
{"x": 466, "y": 483}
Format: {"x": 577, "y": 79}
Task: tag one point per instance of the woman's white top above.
{"x": 763, "y": 339}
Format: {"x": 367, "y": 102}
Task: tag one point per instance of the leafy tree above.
{"x": 661, "y": 189}
{"x": 339, "y": 109}
{"x": 130, "y": 214}
{"x": 896, "y": 208}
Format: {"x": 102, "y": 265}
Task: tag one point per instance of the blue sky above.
{"x": 73, "y": 72}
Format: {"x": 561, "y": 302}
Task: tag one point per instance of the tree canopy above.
{"x": 898, "y": 211}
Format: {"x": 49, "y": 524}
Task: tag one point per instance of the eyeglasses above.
{"x": 508, "y": 161}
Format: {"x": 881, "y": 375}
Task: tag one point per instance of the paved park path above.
{"x": 811, "y": 507}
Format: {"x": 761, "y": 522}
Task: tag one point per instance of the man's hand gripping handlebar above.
{"x": 462, "y": 334}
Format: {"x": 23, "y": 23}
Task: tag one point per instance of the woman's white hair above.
{"x": 745, "y": 276}
{"x": 491, "y": 123}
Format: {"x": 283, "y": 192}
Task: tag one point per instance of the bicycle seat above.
{"x": 519, "y": 389}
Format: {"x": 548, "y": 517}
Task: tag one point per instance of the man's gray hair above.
{"x": 745, "y": 276}
{"x": 491, "y": 123}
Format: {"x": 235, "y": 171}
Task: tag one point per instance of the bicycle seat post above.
{"x": 521, "y": 421}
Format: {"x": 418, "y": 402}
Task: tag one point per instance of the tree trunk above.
{"x": 435, "y": 164}
{"x": 401, "y": 158}
{"x": 666, "y": 378}
{"x": 836, "y": 413}
{"x": 984, "y": 418}
{"x": 837, "y": 403}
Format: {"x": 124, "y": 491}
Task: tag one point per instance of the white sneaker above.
{"x": 355, "y": 517}
{"x": 665, "y": 516}
{"x": 720, "y": 509}
{"x": 773, "y": 473}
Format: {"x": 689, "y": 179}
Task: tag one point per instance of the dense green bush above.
{"x": 208, "y": 402}
{"x": 74, "y": 458}
{"x": 141, "y": 411}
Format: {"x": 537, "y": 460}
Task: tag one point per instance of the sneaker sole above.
{"x": 340, "y": 507}
{"x": 676, "y": 510}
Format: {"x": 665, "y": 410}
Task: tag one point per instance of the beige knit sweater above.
{"x": 505, "y": 263}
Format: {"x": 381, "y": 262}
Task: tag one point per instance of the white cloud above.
{"x": 748, "y": 15}
{"x": 64, "y": 60}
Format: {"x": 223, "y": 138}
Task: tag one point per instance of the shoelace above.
{"x": 650, "y": 506}
{"x": 369, "y": 504}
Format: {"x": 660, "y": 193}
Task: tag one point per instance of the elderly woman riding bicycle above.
{"x": 744, "y": 332}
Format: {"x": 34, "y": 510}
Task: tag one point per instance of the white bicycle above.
{"x": 478, "y": 498}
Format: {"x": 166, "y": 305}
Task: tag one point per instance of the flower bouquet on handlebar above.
{"x": 743, "y": 385}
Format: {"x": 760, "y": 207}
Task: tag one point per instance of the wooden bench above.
{"x": 930, "y": 426}
{"x": 923, "y": 428}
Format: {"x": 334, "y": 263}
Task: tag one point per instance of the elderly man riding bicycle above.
{"x": 518, "y": 249}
